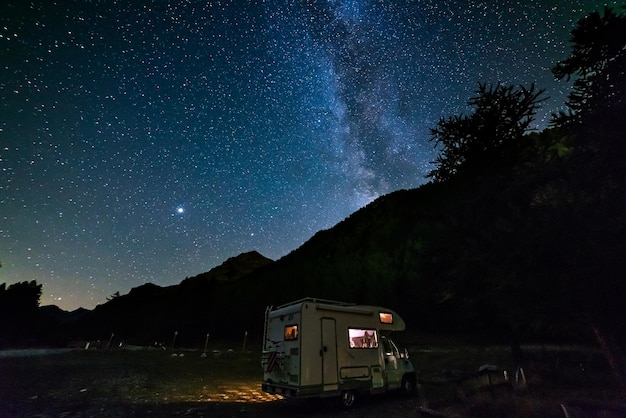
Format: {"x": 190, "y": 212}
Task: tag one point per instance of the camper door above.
{"x": 393, "y": 370}
{"x": 328, "y": 351}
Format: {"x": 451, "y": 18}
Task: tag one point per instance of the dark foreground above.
{"x": 158, "y": 383}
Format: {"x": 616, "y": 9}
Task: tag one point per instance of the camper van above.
{"x": 321, "y": 348}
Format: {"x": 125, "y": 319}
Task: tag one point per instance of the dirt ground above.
{"x": 184, "y": 383}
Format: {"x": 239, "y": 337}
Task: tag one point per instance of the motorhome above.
{"x": 321, "y": 348}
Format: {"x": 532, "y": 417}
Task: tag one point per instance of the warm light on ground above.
{"x": 239, "y": 392}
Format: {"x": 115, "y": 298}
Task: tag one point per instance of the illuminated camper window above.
{"x": 385, "y": 317}
{"x": 363, "y": 338}
{"x": 291, "y": 332}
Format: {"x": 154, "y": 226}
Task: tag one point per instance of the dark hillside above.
{"x": 374, "y": 256}
{"x": 532, "y": 250}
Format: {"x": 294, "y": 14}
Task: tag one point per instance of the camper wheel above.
{"x": 348, "y": 397}
{"x": 408, "y": 385}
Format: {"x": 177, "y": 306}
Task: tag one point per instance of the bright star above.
{"x": 180, "y": 210}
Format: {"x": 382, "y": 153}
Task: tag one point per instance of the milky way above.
{"x": 149, "y": 141}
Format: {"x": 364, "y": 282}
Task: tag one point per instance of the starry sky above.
{"x": 148, "y": 141}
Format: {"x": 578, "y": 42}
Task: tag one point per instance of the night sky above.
{"x": 148, "y": 141}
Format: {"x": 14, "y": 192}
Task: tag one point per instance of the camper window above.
{"x": 385, "y": 317}
{"x": 291, "y": 332}
{"x": 363, "y": 338}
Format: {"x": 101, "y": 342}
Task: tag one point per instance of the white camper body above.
{"x": 320, "y": 348}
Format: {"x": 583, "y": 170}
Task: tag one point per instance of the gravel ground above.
{"x": 155, "y": 383}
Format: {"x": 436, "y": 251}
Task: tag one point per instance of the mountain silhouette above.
{"x": 370, "y": 257}
{"x": 475, "y": 256}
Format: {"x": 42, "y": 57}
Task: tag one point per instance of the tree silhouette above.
{"x": 20, "y": 297}
{"x": 489, "y": 137}
{"x": 598, "y": 61}
{"x": 19, "y": 305}
{"x": 596, "y": 120}
{"x": 595, "y": 127}
{"x": 595, "y": 173}
{"x": 114, "y": 296}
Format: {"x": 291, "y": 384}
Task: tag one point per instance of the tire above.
{"x": 408, "y": 384}
{"x": 347, "y": 398}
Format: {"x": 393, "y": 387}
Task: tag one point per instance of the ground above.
{"x": 144, "y": 382}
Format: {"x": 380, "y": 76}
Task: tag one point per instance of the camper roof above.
{"x": 387, "y": 319}
{"x": 315, "y": 300}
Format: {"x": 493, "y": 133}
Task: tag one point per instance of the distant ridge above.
{"x": 150, "y": 313}
{"x": 62, "y": 316}
{"x": 232, "y": 269}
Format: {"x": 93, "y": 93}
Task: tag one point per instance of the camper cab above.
{"x": 320, "y": 348}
